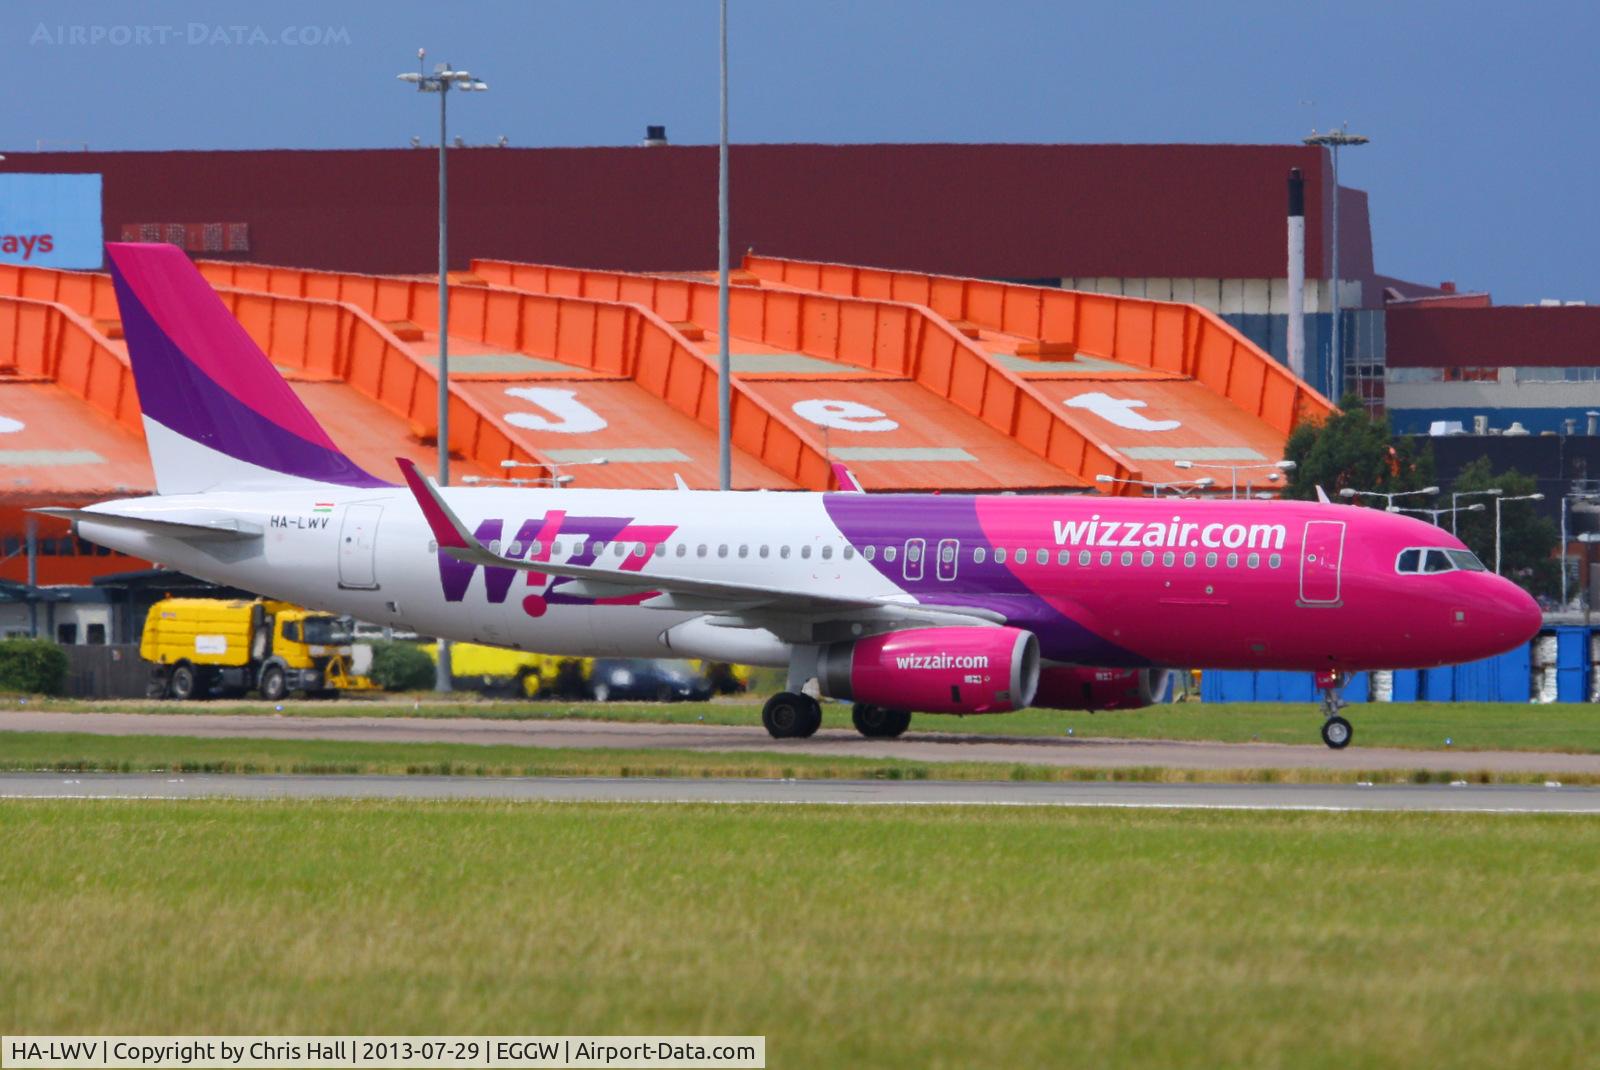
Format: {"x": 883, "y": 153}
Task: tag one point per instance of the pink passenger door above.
{"x": 1321, "y": 553}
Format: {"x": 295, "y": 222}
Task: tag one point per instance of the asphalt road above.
{"x": 916, "y": 746}
{"x": 1473, "y": 798}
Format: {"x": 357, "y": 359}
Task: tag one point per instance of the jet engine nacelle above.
{"x": 1074, "y": 687}
{"x": 935, "y": 670}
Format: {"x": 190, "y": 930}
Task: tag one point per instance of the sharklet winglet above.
{"x": 448, "y": 529}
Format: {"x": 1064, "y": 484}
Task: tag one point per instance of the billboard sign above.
{"x": 50, "y": 220}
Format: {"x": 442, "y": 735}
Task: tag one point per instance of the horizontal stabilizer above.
{"x": 222, "y": 529}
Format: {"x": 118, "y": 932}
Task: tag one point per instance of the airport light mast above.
{"x": 441, "y": 81}
{"x": 1336, "y": 139}
{"x": 724, "y": 360}
{"x": 1276, "y": 473}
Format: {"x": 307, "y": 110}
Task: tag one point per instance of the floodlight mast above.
{"x": 441, "y": 81}
{"x": 1335, "y": 139}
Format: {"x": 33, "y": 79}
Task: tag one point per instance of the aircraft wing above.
{"x": 745, "y": 603}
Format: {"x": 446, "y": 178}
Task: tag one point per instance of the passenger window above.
{"x": 1409, "y": 561}
{"x": 869, "y": 552}
{"x": 1085, "y": 557}
{"x": 1064, "y": 557}
{"x": 827, "y": 552}
{"x": 947, "y": 553}
{"x": 763, "y": 550}
{"x": 722, "y": 551}
{"x": 888, "y": 553}
{"x": 1188, "y": 559}
{"x": 1127, "y": 557}
{"x": 1233, "y": 560}
{"x": 1211, "y": 559}
{"x": 494, "y": 546}
{"x": 744, "y": 550}
{"x": 514, "y": 549}
{"x": 979, "y": 554}
{"x": 597, "y": 548}
{"x": 1147, "y": 558}
{"x": 701, "y": 552}
{"x": 1253, "y": 561}
{"x": 619, "y": 549}
{"x": 1168, "y": 558}
{"x": 1105, "y": 557}
{"x": 683, "y": 548}
{"x": 661, "y": 549}
{"x": 914, "y": 550}
{"x": 783, "y": 552}
{"x": 805, "y": 551}
{"x": 1274, "y": 561}
{"x": 641, "y": 550}
{"x": 577, "y": 548}
{"x": 849, "y": 552}
{"x": 1041, "y": 556}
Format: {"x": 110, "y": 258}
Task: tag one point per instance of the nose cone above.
{"x": 1519, "y": 617}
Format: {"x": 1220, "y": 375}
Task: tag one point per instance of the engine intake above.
{"x": 935, "y": 670}
{"x": 1075, "y": 687}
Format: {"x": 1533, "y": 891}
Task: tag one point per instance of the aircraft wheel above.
{"x": 875, "y": 722}
{"x": 790, "y": 716}
{"x": 185, "y": 683}
{"x": 274, "y": 685}
{"x": 1336, "y": 732}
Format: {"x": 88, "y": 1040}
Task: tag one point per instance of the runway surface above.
{"x": 1466, "y": 799}
{"x": 915, "y": 746}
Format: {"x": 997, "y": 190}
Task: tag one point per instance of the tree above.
{"x": 1526, "y": 539}
{"x": 1351, "y": 449}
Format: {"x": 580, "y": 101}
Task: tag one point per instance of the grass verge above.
{"x": 879, "y": 937}
{"x": 1569, "y": 728}
{"x": 73, "y": 752}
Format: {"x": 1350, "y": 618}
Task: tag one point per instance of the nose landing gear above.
{"x": 1336, "y": 731}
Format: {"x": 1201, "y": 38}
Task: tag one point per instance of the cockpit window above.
{"x": 1432, "y": 559}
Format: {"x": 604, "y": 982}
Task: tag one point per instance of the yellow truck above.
{"x": 198, "y": 647}
{"x": 503, "y": 672}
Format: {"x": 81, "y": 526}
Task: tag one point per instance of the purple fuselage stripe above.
{"x": 890, "y": 520}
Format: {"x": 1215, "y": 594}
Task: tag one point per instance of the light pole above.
{"x": 1234, "y": 470}
{"x": 1182, "y": 485}
{"x": 441, "y": 81}
{"x": 724, "y": 360}
{"x": 1388, "y": 496}
{"x": 1435, "y": 514}
{"x": 1456, "y": 496}
{"x": 1498, "y": 501}
{"x": 1335, "y": 139}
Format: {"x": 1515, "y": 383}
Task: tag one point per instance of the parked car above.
{"x": 642, "y": 678}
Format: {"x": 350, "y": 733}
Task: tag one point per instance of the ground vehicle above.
{"x": 201, "y": 646}
{"x": 500, "y": 671}
{"x": 647, "y": 678}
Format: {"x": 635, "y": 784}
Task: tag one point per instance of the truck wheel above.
{"x": 273, "y": 683}
{"x": 185, "y": 683}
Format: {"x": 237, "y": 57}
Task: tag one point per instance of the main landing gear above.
{"x": 791, "y": 715}
{"x": 875, "y": 722}
{"x": 1336, "y": 731}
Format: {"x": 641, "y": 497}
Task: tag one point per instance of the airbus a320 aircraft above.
{"x": 936, "y": 603}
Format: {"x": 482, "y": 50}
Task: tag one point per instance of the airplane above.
{"x": 937, "y": 603}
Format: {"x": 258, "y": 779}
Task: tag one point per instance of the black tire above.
{"x": 185, "y": 683}
{"x": 1336, "y": 732}
{"x": 274, "y": 684}
{"x": 665, "y": 693}
{"x": 790, "y": 716}
{"x": 875, "y": 722}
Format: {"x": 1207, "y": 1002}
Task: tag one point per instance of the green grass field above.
{"x": 83, "y": 752}
{"x": 1422, "y": 725}
{"x": 894, "y": 936}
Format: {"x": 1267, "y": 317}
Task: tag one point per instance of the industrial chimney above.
{"x": 1297, "y": 273}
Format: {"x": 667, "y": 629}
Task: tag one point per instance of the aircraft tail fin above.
{"x": 217, "y": 414}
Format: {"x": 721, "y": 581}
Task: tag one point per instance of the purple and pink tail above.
{"x": 217, "y": 414}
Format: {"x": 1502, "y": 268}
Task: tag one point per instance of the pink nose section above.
{"x": 1520, "y": 616}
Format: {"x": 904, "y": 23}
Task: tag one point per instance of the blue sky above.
{"x": 1482, "y": 116}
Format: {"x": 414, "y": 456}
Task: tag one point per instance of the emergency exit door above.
{"x": 358, "y": 546}
{"x": 1321, "y": 556}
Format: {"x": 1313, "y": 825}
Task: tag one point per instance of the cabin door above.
{"x": 358, "y": 546}
{"x": 1321, "y": 555}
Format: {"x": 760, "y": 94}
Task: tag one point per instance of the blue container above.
{"x": 1572, "y": 663}
{"x": 1438, "y": 685}
{"x": 1513, "y": 675}
{"x": 1407, "y": 685}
